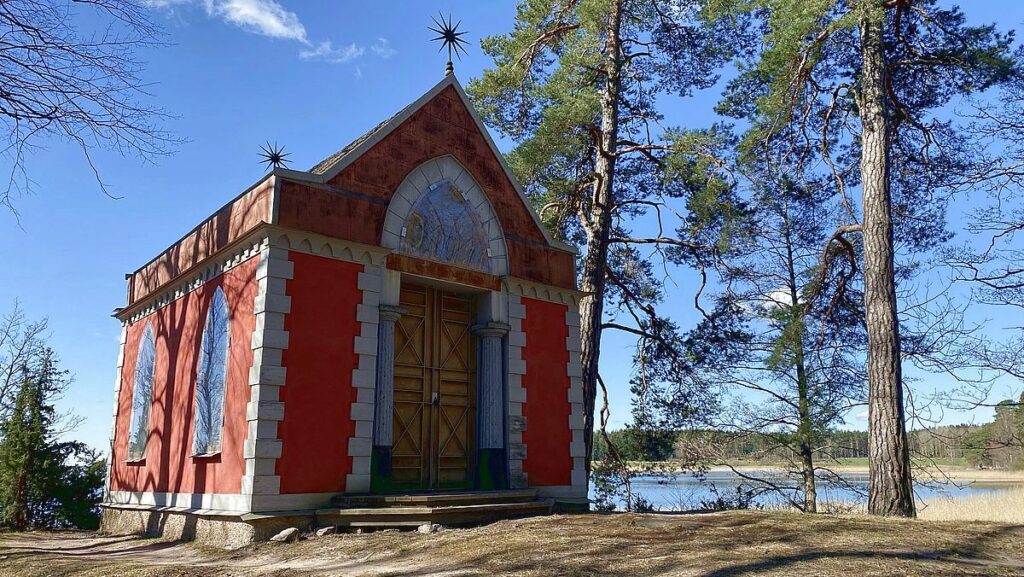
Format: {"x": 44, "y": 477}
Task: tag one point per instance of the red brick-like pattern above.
{"x": 227, "y": 225}
{"x": 441, "y": 126}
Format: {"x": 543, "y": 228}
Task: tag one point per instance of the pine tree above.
{"x": 787, "y": 334}
{"x": 23, "y": 454}
{"x": 576, "y": 85}
{"x": 45, "y": 482}
{"x": 866, "y": 80}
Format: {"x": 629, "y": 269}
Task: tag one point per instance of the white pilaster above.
{"x": 364, "y": 377}
{"x": 516, "y": 392}
{"x": 117, "y": 404}
{"x": 267, "y": 375}
{"x": 574, "y": 368}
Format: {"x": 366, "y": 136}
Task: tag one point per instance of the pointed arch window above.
{"x": 211, "y": 377}
{"x": 443, "y": 227}
{"x": 142, "y": 395}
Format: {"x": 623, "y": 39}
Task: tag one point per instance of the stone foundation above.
{"x": 217, "y": 530}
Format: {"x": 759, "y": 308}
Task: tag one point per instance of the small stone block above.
{"x": 516, "y": 424}
{"x": 517, "y": 451}
{"x": 325, "y": 531}
{"x": 289, "y": 535}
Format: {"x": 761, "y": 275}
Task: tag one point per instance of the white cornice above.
{"x": 530, "y": 289}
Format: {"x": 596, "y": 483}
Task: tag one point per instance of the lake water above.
{"x": 686, "y": 493}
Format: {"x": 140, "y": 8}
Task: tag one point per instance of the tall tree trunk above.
{"x": 890, "y": 490}
{"x": 805, "y": 436}
{"x": 598, "y": 224}
{"x": 805, "y": 429}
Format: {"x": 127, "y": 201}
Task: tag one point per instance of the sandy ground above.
{"x": 710, "y": 545}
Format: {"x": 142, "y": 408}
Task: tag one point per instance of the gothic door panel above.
{"x": 434, "y": 389}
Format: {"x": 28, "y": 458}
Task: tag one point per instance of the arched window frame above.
{"x": 418, "y": 181}
{"x": 443, "y": 227}
{"x": 142, "y": 395}
{"x": 211, "y": 377}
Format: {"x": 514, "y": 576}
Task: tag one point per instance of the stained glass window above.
{"x": 211, "y": 377}
{"x": 443, "y": 227}
{"x": 142, "y": 395}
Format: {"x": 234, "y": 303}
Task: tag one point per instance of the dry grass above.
{"x": 1005, "y": 506}
{"x": 712, "y": 545}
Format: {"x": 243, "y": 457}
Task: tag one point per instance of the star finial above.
{"x": 273, "y": 156}
{"x": 450, "y": 38}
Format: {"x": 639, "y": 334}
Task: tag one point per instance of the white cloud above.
{"x": 383, "y": 48}
{"x": 265, "y": 17}
{"x": 326, "y": 52}
{"x": 271, "y": 19}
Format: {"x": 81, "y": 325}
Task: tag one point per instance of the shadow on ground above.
{"x": 711, "y": 545}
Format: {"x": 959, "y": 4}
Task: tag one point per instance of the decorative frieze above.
{"x": 525, "y": 288}
{"x": 312, "y": 243}
{"x": 243, "y": 251}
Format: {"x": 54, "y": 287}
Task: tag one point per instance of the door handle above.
{"x": 435, "y": 399}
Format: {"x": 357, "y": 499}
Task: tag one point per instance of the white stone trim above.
{"x": 371, "y": 283}
{"x": 122, "y": 340}
{"x": 417, "y": 182}
{"x": 336, "y": 248}
{"x": 563, "y": 493}
{"x": 574, "y": 368}
{"x": 530, "y": 289}
{"x": 292, "y": 502}
{"x": 265, "y": 410}
{"x": 211, "y": 503}
{"x": 517, "y": 424}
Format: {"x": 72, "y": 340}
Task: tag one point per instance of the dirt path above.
{"x": 714, "y": 545}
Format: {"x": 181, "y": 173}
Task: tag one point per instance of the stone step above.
{"x": 413, "y": 516}
{"x": 434, "y": 499}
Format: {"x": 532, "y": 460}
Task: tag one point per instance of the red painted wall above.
{"x": 318, "y": 392}
{"x": 547, "y": 409}
{"x": 169, "y": 466}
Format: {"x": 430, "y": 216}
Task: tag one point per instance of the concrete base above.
{"x": 217, "y": 530}
{"x": 232, "y": 529}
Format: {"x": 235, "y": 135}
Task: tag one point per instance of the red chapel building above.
{"x": 391, "y": 332}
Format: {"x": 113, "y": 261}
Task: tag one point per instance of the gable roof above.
{"x": 328, "y": 168}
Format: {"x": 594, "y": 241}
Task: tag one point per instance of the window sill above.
{"x": 206, "y": 456}
{"x": 135, "y": 462}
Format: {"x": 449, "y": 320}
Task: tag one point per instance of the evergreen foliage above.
{"x": 860, "y": 87}
{"x": 45, "y": 482}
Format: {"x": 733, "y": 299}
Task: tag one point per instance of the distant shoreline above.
{"x": 952, "y": 472}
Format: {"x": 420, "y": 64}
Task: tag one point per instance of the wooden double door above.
{"x": 433, "y": 442}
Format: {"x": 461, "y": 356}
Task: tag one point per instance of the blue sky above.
{"x": 236, "y": 73}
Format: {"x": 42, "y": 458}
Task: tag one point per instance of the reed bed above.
{"x": 1003, "y": 506}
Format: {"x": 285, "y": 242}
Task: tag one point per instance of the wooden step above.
{"x": 413, "y": 516}
{"x": 426, "y": 499}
